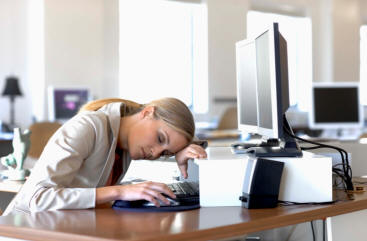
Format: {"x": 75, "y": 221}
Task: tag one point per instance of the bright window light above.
{"x": 35, "y": 61}
{"x": 163, "y": 52}
{"x": 363, "y": 62}
{"x": 297, "y": 32}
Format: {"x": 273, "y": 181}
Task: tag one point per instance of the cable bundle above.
{"x": 344, "y": 172}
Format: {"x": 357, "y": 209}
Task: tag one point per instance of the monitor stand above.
{"x": 242, "y": 147}
{"x": 285, "y": 147}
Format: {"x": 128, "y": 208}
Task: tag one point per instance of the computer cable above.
{"x": 345, "y": 173}
{"x": 313, "y": 231}
{"x": 336, "y": 170}
{"x": 341, "y": 151}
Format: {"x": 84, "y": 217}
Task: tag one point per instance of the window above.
{"x": 297, "y": 32}
{"x": 163, "y": 52}
{"x": 363, "y": 66}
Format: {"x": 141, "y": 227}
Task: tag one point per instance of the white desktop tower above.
{"x": 221, "y": 175}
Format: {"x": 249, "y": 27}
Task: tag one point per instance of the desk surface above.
{"x": 10, "y": 186}
{"x": 105, "y": 223}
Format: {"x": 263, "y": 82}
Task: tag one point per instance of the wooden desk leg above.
{"x": 350, "y": 226}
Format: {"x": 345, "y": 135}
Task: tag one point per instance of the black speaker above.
{"x": 261, "y": 183}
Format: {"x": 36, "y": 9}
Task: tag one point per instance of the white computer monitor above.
{"x": 272, "y": 82}
{"x": 262, "y": 83}
{"x": 65, "y": 102}
{"x": 336, "y": 105}
{"x": 262, "y": 93}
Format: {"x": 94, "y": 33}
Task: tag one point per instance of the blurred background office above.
{"x": 146, "y": 49}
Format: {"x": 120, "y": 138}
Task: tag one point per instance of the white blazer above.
{"x": 77, "y": 159}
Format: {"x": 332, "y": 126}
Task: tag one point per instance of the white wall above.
{"x": 346, "y": 25}
{"x": 335, "y": 36}
{"x": 226, "y": 26}
{"x": 80, "y": 49}
{"x": 13, "y": 55}
{"x": 81, "y": 45}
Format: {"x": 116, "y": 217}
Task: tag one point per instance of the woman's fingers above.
{"x": 160, "y": 188}
{"x": 150, "y": 191}
{"x": 153, "y": 196}
{"x": 190, "y": 152}
{"x": 183, "y": 169}
{"x": 197, "y": 154}
{"x": 197, "y": 150}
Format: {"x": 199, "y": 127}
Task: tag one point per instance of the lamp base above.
{"x": 5, "y": 127}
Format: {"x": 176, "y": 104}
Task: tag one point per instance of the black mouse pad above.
{"x": 137, "y": 206}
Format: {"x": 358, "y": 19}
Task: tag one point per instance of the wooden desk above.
{"x": 105, "y": 223}
{"x": 10, "y": 186}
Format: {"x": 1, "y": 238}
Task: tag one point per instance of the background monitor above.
{"x": 335, "y": 106}
{"x": 64, "y": 103}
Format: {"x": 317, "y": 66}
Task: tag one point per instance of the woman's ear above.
{"x": 147, "y": 112}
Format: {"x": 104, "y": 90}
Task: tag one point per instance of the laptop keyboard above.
{"x": 185, "y": 191}
{"x": 187, "y": 198}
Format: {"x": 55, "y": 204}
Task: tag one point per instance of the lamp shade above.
{"x": 11, "y": 87}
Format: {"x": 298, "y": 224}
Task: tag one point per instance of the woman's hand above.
{"x": 190, "y": 152}
{"x": 150, "y": 191}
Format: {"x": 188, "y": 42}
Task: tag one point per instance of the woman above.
{"x": 92, "y": 151}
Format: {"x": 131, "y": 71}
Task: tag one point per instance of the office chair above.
{"x": 41, "y": 133}
{"x": 228, "y": 119}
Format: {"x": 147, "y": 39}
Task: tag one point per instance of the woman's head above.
{"x": 176, "y": 115}
{"x": 163, "y": 126}
{"x": 171, "y": 110}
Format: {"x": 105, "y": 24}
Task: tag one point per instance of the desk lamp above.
{"x": 12, "y": 90}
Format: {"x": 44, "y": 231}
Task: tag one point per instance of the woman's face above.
{"x": 150, "y": 138}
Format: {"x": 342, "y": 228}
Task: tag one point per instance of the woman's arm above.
{"x": 150, "y": 191}
{"x": 48, "y": 187}
{"x": 190, "y": 152}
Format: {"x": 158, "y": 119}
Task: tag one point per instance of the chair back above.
{"x": 228, "y": 119}
{"x": 41, "y": 133}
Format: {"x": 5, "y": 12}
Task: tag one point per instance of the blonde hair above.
{"x": 171, "y": 110}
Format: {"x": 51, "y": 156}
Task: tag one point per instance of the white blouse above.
{"x": 77, "y": 159}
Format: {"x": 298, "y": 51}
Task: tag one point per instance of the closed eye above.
{"x": 161, "y": 139}
{"x": 167, "y": 153}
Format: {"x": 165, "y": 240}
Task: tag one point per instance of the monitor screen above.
{"x": 246, "y": 86}
{"x": 272, "y": 82}
{"x": 335, "y": 106}
{"x": 264, "y": 82}
{"x": 64, "y": 103}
